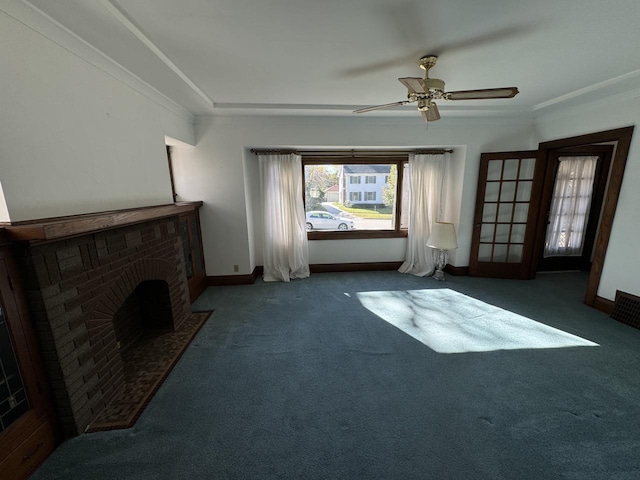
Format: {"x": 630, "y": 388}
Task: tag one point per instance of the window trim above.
{"x": 400, "y": 160}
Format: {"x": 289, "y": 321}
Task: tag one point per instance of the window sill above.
{"x": 355, "y": 235}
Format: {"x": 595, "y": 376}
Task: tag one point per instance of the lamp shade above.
{"x": 443, "y": 236}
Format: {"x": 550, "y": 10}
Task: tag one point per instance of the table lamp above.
{"x": 443, "y": 239}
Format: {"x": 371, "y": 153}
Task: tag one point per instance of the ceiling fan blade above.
{"x": 414, "y": 84}
{"x": 483, "y": 39}
{"x": 433, "y": 114}
{"x": 379, "y": 107}
{"x": 439, "y": 49}
{"x": 505, "y": 92}
{"x": 407, "y": 61}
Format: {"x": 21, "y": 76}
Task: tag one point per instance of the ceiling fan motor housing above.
{"x": 433, "y": 84}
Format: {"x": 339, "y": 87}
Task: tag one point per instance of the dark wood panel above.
{"x": 28, "y": 454}
{"x": 222, "y": 280}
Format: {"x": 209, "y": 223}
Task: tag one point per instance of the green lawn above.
{"x": 378, "y": 212}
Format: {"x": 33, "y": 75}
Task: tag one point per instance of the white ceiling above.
{"x": 332, "y": 56}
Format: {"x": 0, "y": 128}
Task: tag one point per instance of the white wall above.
{"x": 75, "y": 136}
{"x": 622, "y": 262}
{"x": 222, "y": 172}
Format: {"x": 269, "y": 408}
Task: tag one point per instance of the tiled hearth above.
{"x": 146, "y": 366}
{"x": 92, "y": 294}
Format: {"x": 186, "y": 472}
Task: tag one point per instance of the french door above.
{"x": 509, "y": 189}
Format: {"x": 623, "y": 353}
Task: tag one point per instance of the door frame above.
{"x": 622, "y": 139}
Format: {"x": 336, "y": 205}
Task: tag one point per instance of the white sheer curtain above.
{"x": 285, "y": 250}
{"x": 424, "y": 179}
{"x": 570, "y": 206}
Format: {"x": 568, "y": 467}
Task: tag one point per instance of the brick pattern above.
{"x": 75, "y": 287}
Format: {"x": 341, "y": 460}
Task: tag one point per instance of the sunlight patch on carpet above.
{"x": 451, "y": 322}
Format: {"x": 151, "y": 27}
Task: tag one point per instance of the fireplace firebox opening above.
{"x": 147, "y": 310}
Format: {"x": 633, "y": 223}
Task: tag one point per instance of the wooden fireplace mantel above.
{"x": 63, "y": 227}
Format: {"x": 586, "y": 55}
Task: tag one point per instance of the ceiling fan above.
{"x": 425, "y": 91}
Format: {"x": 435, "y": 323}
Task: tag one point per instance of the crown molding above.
{"x": 622, "y": 85}
{"x": 38, "y": 21}
{"x": 587, "y": 108}
{"x": 129, "y": 24}
{"x": 412, "y": 120}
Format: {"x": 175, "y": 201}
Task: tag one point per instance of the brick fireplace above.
{"x": 94, "y": 286}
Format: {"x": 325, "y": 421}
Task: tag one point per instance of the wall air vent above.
{"x": 627, "y": 309}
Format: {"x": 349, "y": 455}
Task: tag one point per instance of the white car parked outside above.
{"x": 325, "y": 221}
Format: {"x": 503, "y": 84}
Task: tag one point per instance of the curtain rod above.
{"x": 349, "y": 153}
{"x": 273, "y": 152}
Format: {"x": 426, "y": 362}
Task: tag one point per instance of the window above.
{"x": 335, "y": 182}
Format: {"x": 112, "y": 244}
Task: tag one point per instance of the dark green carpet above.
{"x": 300, "y": 381}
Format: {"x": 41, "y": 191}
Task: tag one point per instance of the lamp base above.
{"x": 438, "y": 275}
{"x": 442, "y": 256}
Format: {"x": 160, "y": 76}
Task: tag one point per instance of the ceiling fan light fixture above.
{"x": 424, "y": 104}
